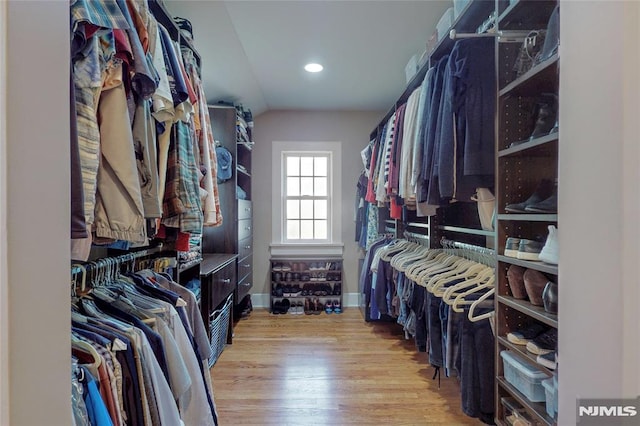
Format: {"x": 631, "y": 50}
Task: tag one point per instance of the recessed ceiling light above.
{"x": 313, "y": 67}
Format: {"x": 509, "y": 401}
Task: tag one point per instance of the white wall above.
{"x": 350, "y": 128}
{"x": 37, "y": 158}
{"x": 599, "y": 203}
{"x": 4, "y": 293}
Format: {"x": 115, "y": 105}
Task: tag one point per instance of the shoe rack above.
{"x": 525, "y": 157}
{"x": 306, "y": 286}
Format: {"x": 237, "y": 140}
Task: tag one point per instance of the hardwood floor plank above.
{"x": 329, "y": 370}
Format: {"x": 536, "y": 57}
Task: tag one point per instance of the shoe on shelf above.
{"x": 544, "y": 343}
{"x": 549, "y": 253}
{"x": 550, "y": 298}
{"x": 277, "y": 267}
{"x": 286, "y": 304}
{"x": 336, "y": 307}
{"x": 529, "y": 250}
{"x": 328, "y": 307}
{"x": 308, "y": 306}
{"x": 515, "y": 280}
{"x": 546, "y": 206}
{"x": 511, "y": 247}
{"x": 534, "y": 284}
{"x": 549, "y": 360}
{"x": 546, "y": 115}
{"x": 317, "y": 306}
{"x": 543, "y": 191}
{"x": 276, "y": 308}
{"x": 526, "y": 334}
{"x": 286, "y": 267}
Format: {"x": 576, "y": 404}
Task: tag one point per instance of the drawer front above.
{"x": 245, "y": 247}
{"x": 223, "y": 283}
{"x": 245, "y": 267}
{"x": 244, "y": 287}
{"x": 244, "y": 229}
{"x": 244, "y": 209}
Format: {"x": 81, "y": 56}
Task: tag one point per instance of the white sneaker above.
{"x": 549, "y": 253}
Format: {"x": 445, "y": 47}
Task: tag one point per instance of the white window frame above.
{"x": 333, "y": 245}
{"x": 329, "y": 197}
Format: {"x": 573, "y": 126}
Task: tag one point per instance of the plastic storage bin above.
{"x": 524, "y": 376}
{"x": 459, "y": 6}
{"x": 445, "y": 24}
{"x": 551, "y": 396}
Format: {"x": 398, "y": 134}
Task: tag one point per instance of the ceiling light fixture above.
{"x": 313, "y": 67}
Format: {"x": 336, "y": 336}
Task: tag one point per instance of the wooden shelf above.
{"x": 528, "y": 217}
{"x": 242, "y": 172}
{"x": 469, "y": 20}
{"x": 545, "y": 146}
{"x": 538, "y": 266}
{"x": 470, "y": 231}
{"x": 525, "y": 353}
{"x": 536, "y": 408}
{"x": 535, "y": 312}
{"x": 539, "y": 79}
{"x": 474, "y": 14}
{"x": 245, "y": 145}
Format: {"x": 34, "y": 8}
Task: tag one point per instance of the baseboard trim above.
{"x": 263, "y": 300}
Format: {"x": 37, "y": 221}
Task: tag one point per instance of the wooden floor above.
{"x": 329, "y": 370}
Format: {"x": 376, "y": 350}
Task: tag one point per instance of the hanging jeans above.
{"x": 478, "y": 369}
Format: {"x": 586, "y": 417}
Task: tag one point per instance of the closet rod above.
{"x": 418, "y": 238}
{"x": 445, "y": 243}
{"x": 503, "y": 36}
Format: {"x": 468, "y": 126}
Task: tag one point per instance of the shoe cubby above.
{"x": 315, "y": 284}
{"x": 527, "y": 141}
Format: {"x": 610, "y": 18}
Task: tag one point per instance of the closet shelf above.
{"x": 539, "y": 79}
{"x": 245, "y": 145}
{"x": 470, "y": 231}
{"x": 474, "y": 13}
{"x": 418, "y": 225}
{"x": 517, "y": 12}
{"x": 243, "y": 172}
{"x": 529, "y": 217}
{"x": 538, "y": 266}
{"x": 545, "y": 146}
{"x": 536, "y": 312}
{"x": 536, "y": 408}
{"x": 525, "y": 353}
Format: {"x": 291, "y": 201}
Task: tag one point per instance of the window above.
{"x": 306, "y": 196}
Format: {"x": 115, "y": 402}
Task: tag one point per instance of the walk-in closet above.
{"x": 319, "y": 212}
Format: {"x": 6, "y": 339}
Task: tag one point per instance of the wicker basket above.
{"x": 219, "y": 326}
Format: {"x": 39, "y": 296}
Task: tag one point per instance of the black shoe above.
{"x": 542, "y": 192}
{"x": 525, "y": 335}
{"x": 550, "y": 205}
{"x": 544, "y": 343}
{"x": 546, "y": 116}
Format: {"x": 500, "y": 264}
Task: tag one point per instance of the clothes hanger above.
{"x": 474, "y": 318}
{"x": 485, "y": 277}
{"x": 460, "y": 299}
{"x": 434, "y": 257}
{"x": 468, "y": 273}
{"x": 440, "y": 265}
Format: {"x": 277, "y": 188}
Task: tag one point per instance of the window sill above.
{"x": 306, "y": 249}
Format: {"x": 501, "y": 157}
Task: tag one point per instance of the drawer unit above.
{"x": 223, "y": 283}
{"x": 244, "y": 209}
{"x": 245, "y": 266}
{"x": 244, "y": 229}
{"x": 245, "y": 247}
{"x": 244, "y": 286}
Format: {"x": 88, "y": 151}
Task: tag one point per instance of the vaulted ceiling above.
{"x": 253, "y": 52}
